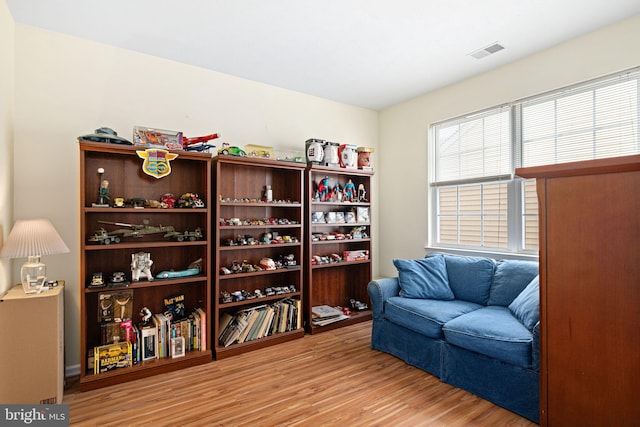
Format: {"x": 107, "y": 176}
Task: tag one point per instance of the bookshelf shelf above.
{"x": 190, "y": 173}
{"x": 336, "y": 283}
{"x": 145, "y": 369}
{"x": 235, "y": 180}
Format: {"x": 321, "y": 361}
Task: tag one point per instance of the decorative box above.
{"x": 157, "y": 138}
{"x": 358, "y": 255}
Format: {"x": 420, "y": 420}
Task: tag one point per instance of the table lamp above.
{"x": 32, "y": 239}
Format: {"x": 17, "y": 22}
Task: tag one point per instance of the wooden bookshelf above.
{"x": 240, "y": 184}
{"x": 336, "y": 283}
{"x": 190, "y": 173}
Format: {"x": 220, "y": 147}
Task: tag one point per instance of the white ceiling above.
{"x": 369, "y": 53}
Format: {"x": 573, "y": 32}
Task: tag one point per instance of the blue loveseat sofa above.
{"x": 471, "y": 321}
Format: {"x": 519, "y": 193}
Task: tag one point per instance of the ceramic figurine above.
{"x": 141, "y": 266}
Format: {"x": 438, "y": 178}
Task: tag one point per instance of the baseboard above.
{"x": 71, "y": 371}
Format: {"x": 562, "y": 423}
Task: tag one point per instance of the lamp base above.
{"x": 33, "y": 275}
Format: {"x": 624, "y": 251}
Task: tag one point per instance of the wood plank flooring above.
{"x": 327, "y": 379}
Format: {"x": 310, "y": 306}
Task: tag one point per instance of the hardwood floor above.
{"x": 328, "y": 379}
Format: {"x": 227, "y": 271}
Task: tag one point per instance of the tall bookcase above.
{"x": 331, "y": 280}
{"x": 190, "y": 173}
{"x": 249, "y": 230}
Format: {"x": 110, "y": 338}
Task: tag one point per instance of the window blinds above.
{"x": 474, "y": 147}
{"x": 590, "y": 121}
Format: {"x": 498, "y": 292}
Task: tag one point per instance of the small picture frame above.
{"x": 340, "y": 218}
{"x": 149, "y": 337}
{"x": 177, "y": 347}
{"x": 331, "y": 218}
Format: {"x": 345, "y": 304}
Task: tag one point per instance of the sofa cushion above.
{"x": 423, "y": 278}
{"x": 425, "y": 316}
{"x": 470, "y": 277}
{"x": 510, "y": 278}
{"x": 492, "y": 331}
{"x": 526, "y": 306}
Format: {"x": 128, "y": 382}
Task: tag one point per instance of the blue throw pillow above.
{"x": 424, "y": 278}
{"x": 526, "y": 306}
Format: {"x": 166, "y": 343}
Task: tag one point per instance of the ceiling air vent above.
{"x": 486, "y": 51}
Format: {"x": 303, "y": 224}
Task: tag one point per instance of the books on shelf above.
{"x": 329, "y": 320}
{"x": 260, "y": 321}
{"x": 324, "y": 311}
{"x": 323, "y": 315}
{"x": 161, "y": 338}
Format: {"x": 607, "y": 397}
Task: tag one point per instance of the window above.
{"x": 478, "y": 204}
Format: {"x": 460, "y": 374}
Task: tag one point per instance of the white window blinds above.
{"x": 474, "y": 147}
{"x": 596, "y": 120}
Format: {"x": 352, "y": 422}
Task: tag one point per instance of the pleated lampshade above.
{"x": 31, "y": 239}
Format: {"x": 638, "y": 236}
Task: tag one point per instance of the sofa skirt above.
{"x": 512, "y": 387}
{"x": 407, "y": 345}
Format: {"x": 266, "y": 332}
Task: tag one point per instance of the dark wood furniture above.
{"x": 589, "y": 291}
{"x": 190, "y": 173}
{"x": 240, "y": 183}
{"x": 335, "y": 284}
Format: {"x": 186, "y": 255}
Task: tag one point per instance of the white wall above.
{"x": 66, "y": 87}
{"x": 6, "y": 137}
{"x": 404, "y": 127}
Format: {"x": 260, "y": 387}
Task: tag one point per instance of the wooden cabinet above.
{"x": 332, "y": 223}
{"x": 190, "y": 173}
{"x": 258, "y": 244}
{"x": 589, "y": 291}
{"x": 32, "y": 346}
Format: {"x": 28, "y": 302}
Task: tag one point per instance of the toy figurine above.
{"x": 141, "y": 266}
{"x": 103, "y": 191}
{"x": 337, "y": 194}
{"x": 349, "y": 191}
{"x": 324, "y": 187}
{"x": 146, "y": 315}
{"x": 167, "y": 200}
{"x": 189, "y": 143}
{"x": 268, "y": 194}
{"x": 361, "y": 193}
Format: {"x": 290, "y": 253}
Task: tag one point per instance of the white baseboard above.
{"x": 71, "y": 371}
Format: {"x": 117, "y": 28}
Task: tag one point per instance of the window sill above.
{"x": 479, "y": 253}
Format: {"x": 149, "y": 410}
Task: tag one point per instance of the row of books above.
{"x": 125, "y": 344}
{"x": 160, "y": 337}
{"x": 260, "y": 321}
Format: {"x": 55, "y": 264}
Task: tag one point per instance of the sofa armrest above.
{"x": 535, "y": 348}
{"x": 379, "y": 291}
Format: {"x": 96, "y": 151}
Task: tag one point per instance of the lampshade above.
{"x": 32, "y": 239}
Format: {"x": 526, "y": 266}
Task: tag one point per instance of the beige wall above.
{"x": 6, "y": 137}
{"x": 66, "y": 87}
{"x": 404, "y": 127}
